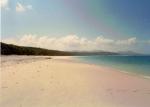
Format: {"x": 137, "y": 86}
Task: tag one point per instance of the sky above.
{"x": 111, "y": 25}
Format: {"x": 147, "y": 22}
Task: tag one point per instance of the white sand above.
{"x": 65, "y": 83}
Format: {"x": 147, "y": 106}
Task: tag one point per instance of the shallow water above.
{"x": 132, "y": 64}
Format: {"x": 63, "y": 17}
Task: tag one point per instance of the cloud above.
{"x": 22, "y": 8}
{"x": 101, "y": 40}
{"x": 73, "y": 42}
{"x": 29, "y": 7}
{"x": 127, "y": 42}
{"x": 3, "y": 3}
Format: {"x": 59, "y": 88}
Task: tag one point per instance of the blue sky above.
{"x": 117, "y": 22}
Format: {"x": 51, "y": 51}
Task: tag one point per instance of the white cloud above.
{"x": 22, "y": 8}
{"x": 29, "y": 7}
{"x": 101, "y": 40}
{"x": 72, "y": 42}
{"x": 129, "y": 41}
{"x": 3, "y": 3}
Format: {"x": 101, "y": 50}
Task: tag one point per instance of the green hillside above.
{"x": 10, "y": 49}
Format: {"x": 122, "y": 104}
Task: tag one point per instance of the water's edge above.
{"x": 134, "y": 65}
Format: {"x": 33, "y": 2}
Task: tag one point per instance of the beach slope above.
{"x": 45, "y": 82}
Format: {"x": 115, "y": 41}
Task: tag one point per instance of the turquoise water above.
{"x": 132, "y": 64}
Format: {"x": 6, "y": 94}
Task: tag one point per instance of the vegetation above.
{"x": 9, "y": 49}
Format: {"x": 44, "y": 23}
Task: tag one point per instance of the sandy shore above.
{"x": 61, "y": 82}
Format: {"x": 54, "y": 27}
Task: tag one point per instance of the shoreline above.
{"x": 75, "y": 60}
{"x": 70, "y": 59}
{"x": 63, "y": 82}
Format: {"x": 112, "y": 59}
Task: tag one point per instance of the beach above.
{"x": 65, "y": 82}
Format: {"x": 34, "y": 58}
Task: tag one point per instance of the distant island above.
{"x": 10, "y": 49}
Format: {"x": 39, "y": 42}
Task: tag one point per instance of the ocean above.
{"x": 139, "y": 65}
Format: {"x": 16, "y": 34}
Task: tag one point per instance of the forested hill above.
{"x": 10, "y": 49}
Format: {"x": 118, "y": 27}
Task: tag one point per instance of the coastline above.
{"x": 123, "y": 69}
{"x": 77, "y": 60}
{"x": 65, "y": 82}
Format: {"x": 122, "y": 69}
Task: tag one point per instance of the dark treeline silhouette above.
{"x": 10, "y": 49}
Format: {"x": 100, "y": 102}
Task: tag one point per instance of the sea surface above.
{"x": 139, "y": 65}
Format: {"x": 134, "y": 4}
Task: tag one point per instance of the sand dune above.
{"x": 63, "y": 82}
